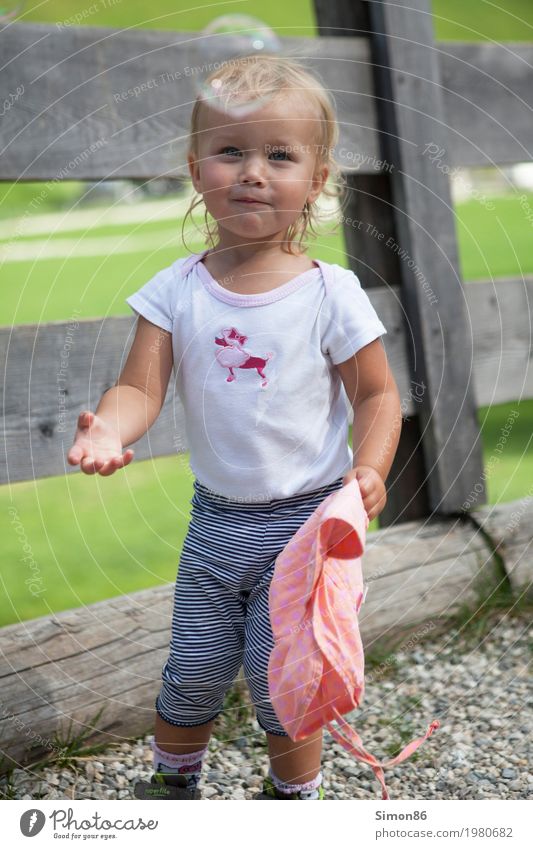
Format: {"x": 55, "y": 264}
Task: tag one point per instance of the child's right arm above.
{"x": 128, "y": 409}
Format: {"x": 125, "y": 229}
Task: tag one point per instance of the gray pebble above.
{"x": 351, "y": 770}
{"x": 508, "y": 773}
{"x": 337, "y": 786}
{"x": 208, "y": 792}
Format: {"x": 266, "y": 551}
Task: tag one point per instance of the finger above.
{"x": 109, "y": 467}
{"x": 118, "y": 462}
{"x": 373, "y": 507}
{"x": 87, "y": 466}
{"x": 122, "y": 461}
{"x": 74, "y": 455}
{"x": 85, "y": 419}
{"x": 369, "y": 504}
{"x": 365, "y": 485}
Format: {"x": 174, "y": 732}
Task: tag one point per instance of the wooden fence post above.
{"x": 408, "y": 237}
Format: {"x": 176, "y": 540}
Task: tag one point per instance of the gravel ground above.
{"x": 481, "y": 692}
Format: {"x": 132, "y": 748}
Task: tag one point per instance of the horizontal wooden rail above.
{"x": 63, "y": 669}
{"x": 94, "y": 103}
{"x": 53, "y": 371}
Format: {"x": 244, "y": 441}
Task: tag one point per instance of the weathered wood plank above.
{"x": 488, "y": 101}
{"x": 62, "y": 669}
{"x": 53, "y": 372}
{"x": 408, "y": 81}
{"x": 499, "y": 321}
{"x": 38, "y": 432}
{"x": 71, "y": 117}
{"x": 126, "y": 98}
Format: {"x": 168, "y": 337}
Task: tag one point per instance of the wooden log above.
{"x": 69, "y": 666}
{"x": 125, "y": 98}
{"x": 57, "y": 672}
{"x": 42, "y": 398}
{"x": 509, "y": 526}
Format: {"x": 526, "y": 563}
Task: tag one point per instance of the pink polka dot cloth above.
{"x": 316, "y": 668}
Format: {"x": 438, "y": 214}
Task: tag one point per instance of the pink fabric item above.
{"x": 316, "y": 668}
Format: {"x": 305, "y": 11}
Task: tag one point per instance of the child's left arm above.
{"x": 377, "y": 424}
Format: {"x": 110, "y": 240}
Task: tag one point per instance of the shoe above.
{"x": 270, "y": 791}
{"x": 159, "y": 788}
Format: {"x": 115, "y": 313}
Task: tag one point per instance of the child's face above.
{"x": 269, "y": 155}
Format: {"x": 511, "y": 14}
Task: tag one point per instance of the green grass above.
{"x": 483, "y": 20}
{"x": 454, "y": 20}
{"x": 90, "y": 537}
{"x": 491, "y": 243}
{"x": 287, "y": 19}
{"x": 43, "y": 290}
{"x": 35, "y": 198}
{"x": 507, "y": 455}
{"x": 494, "y": 243}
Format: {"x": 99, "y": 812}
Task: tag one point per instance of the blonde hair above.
{"x": 270, "y": 73}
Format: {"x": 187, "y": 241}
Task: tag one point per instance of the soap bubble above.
{"x": 224, "y": 41}
{"x": 9, "y": 11}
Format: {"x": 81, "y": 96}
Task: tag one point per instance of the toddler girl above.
{"x": 266, "y": 345}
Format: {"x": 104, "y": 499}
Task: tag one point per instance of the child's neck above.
{"x": 245, "y": 252}
{"x": 255, "y": 273}
{"x": 263, "y": 256}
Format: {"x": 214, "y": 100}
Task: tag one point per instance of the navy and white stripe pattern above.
{"x": 220, "y": 620}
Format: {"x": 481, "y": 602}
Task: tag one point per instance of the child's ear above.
{"x": 319, "y": 181}
{"x": 194, "y": 170}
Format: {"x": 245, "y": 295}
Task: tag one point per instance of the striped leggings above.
{"x": 220, "y": 619}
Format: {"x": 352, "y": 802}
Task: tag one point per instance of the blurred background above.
{"x": 86, "y": 247}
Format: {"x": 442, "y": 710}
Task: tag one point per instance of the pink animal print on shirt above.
{"x": 235, "y": 355}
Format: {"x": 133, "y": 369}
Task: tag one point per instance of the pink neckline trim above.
{"x": 237, "y": 299}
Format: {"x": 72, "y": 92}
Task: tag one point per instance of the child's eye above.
{"x": 228, "y": 148}
{"x": 282, "y": 153}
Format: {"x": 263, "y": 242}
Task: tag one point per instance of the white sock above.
{"x": 309, "y": 790}
{"x": 188, "y": 765}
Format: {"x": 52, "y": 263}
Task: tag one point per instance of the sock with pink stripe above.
{"x": 176, "y": 767}
{"x": 309, "y": 790}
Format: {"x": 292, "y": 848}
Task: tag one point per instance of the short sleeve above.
{"x": 155, "y": 300}
{"x": 348, "y": 319}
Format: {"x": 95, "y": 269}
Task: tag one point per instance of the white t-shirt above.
{"x": 266, "y": 413}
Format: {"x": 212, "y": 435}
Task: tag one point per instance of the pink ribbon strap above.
{"x": 353, "y": 744}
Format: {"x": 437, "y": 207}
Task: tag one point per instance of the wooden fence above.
{"x": 410, "y": 109}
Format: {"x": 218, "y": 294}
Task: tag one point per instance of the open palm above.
{"x": 97, "y": 446}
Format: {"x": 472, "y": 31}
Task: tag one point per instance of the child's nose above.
{"x": 252, "y": 170}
